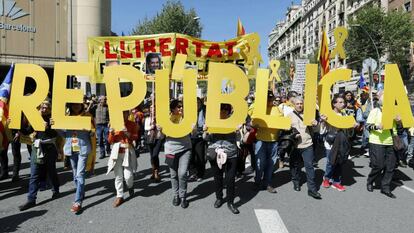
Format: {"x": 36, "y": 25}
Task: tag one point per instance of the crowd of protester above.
{"x": 249, "y": 149}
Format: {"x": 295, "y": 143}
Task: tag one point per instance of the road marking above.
{"x": 407, "y": 188}
{"x": 404, "y": 187}
{"x": 270, "y": 221}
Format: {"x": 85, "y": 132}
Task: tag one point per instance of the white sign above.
{"x": 299, "y": 78}
{"x": 369, "y": 62}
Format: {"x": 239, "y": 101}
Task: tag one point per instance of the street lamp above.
{"x": 369, "y": 70}
{"x": 188, "y": 24}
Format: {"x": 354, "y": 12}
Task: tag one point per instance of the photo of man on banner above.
{"x": 153, "y": 62}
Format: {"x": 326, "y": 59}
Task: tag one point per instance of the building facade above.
{"x": 49, "y": 31}
{"x": 315, "y": 17}
{"x": 285, "y": 38}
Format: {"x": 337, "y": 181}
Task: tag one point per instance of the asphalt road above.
{"x": 354, "y": 210}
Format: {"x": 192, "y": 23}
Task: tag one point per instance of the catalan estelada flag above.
{"x": 4, "y": 108}
{"x": 240, "y": 28}
{"x": 323, "y": 56}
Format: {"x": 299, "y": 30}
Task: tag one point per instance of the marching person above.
{"x": 381, "y": 151}
{"x": 266, "y": 148}
{"x": 43, "y": 159}
{"x": 123, "y": 159}
{"x": 101, "y": 113}
{"x": 178, "y": 151}
{"x": 303, "y": 150}
{"x": 223, "y": 153}
{"x": 77, "y": 147}
{"x": 154, "y": 140}
{"x": 337, "y": 147}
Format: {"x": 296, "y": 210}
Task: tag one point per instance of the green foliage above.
{"x": 172, "y": 19}
{"x": 392, "y": 33}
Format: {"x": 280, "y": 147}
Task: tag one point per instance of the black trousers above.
{"x": 154, "y": 151}
{"x": 198, "y": 156}
{"x": 306, "y": 155}
{"x": 230, "y": 169}
{"x": 382, "y": 163}
{"x": 17, "y": 156}
{"x": 4, "y": 163}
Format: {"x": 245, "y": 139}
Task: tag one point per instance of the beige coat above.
{"x": 129, "y": 159}
{"x": 305, "y": 139}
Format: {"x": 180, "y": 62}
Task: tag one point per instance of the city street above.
{"x": 150, "y": 210}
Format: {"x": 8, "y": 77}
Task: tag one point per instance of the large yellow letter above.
{"x": 162, "y": 101}
{"x": 28, "y": 104}
{"x": 260, "y": 116}
{"x": 116, "y": 103}
{"x": 328, "y": 80}
{"x": 230, "y": 72}
{"x": 395, "y": 100}
{"x": 62, "y": 96}
{"x": 311, "y": 88}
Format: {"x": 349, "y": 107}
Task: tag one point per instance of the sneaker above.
{"x": 270, "y": 189}
{"x": 76, "y": 207}
{"x": 338, "y": 187}
{"x": 325, "y": 183}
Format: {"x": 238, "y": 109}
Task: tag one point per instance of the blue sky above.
{"x": 218, "y": 17}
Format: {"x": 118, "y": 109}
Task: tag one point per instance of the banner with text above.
{"x": 150, "y": 52}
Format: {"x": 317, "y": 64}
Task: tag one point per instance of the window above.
{"x": 407, "y": 6}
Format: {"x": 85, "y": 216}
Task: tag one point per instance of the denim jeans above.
{"x": 179, "y": 174}
{"x": 102, "y": 131}
{"x": 266, "y": 157}
{"x": 78, "y": 163}
{"x": 39, "y": 172}
{"x": 402, "y": 155}
{"x": 295, "y": 168}
{"x": 332, "y": 172}
{"x": 410, "y": 149}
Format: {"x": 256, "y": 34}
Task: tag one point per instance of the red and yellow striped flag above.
{"x": 240, "y": 28}
{"x": 323, "y": 56}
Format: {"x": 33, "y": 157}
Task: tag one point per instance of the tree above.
{"x": 391, "y": 32}
{"x": 172, "y": 19}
